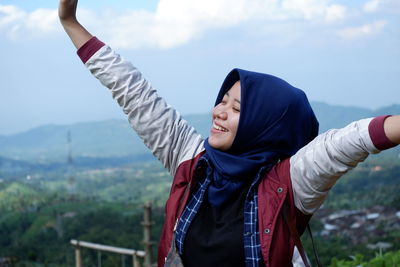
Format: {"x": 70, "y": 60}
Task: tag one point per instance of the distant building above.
{"x": 360, "y": 225}
{"x": 5, "y": 262}
{"x": 377, "y": 168}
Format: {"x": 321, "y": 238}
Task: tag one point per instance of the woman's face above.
{"x": 225, "y": 119}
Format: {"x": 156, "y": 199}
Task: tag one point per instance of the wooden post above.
{"x": 147, "y": 223}
{"x": 98, "y": 258}
{"x": 136, "y": 262}
{"x": 123, "y": 260}
{"x": 78, "y": 259}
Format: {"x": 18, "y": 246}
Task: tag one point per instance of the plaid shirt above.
{"x": 251, "y": 237}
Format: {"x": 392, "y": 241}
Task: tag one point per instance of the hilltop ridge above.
{"x": 115, "y": 138}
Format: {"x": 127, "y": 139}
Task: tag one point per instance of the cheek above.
{"x": 235, "y": 124}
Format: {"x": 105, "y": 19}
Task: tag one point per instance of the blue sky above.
{"x": 150, "y": 5}
{"x": 337, "y": 52}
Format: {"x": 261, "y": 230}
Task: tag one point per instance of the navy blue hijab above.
{"x": 276, "y": 120}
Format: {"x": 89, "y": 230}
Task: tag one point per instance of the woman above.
{"x": 239, "y": 196}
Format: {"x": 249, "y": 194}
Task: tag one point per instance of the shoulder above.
{"x": 189, "y": 168}
{"x": 279, "y": 173}
{"x": 277, "y": 182}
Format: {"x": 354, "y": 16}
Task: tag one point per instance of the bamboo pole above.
{"x": 112, "y": 249}
{"x": 147, "y": 223}
{"x": 99, "y": 258}
{"x": 136, "y": 262}
{"x": 78, "y": 259}
{"x": 123, "y": 260}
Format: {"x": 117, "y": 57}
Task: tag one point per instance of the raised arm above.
{"x": 392, "y": 129}
{"x": 162, "y": 129}
{"x": 67, "y": 14}
{"x": 316, "y": 167}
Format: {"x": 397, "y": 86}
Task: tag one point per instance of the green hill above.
{"x": 115, "y": 138}
{"x": 111, "y": 138}
{"x": 16, "y": 196}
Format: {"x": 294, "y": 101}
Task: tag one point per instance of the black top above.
{"x": 215, "y": 236}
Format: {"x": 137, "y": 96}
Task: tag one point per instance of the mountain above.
{"x": 115, "y": 138}
{"x": 392, "y": 109}
{"x": 110, "y": 138}
{"x": 331, "y": 116}
{"x": 334, "y": 116}
{"x": 13, "y": 166}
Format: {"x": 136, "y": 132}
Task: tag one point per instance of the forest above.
{"x": 42, "y": 209}
{"x": 87, "y": 182}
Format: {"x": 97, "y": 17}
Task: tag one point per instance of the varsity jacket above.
{"x": 298, "y": 184}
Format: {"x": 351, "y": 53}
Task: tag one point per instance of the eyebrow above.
{"x": 237, "y": 100}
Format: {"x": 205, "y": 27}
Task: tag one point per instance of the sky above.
{"x": 339, "y": 52}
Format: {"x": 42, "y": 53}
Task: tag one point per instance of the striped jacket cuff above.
{"x": 89, "y": 48}
{"x": 377, "y": 133}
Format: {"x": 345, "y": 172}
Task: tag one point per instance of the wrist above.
{"x": 69, "y": 22}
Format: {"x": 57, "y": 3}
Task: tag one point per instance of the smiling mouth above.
{"x": 219, "y": 128}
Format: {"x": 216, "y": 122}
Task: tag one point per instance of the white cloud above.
{"x": 314, "y": 10}
{"x": 17, "y": 23}
{"x": 366, "y": 30}
{"x": 371, "y": 6}
{"x": 175, "y": 22}
{"x": 43, "y": 20}
{"x": 390, "y": 6}
{"x": 10, "y": 15}
{"x": 335, "y": 13}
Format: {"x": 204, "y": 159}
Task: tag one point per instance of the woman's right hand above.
{"x": 67, "y": 10}
{"x": 67, "y": 14}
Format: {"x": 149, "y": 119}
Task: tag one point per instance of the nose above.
{"x": 220, "y": 113}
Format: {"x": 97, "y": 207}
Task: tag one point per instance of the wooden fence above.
{"x": 135, "y": 254}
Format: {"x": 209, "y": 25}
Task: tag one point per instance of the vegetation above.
{"x": 43, "y": 206}
{"x": 43, "y": 209}
{"x": 390, "y": 259}
{"x": 373, "y": 183}
{"x": 43, "y": 235}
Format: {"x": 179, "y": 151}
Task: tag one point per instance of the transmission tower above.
{"x": 71, "y": 178}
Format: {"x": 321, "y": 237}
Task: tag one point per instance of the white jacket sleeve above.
{"x": 161, "y": 127}
{"x": 315, "y": 168}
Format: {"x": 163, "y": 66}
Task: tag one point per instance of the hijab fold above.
{"x": 276, "y": 120}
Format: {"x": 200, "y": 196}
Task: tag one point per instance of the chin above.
{"x": 212, "y": 143}
{"x": 217, "y": 145}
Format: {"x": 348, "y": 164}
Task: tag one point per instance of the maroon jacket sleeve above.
{"x": 377, "y": 133}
